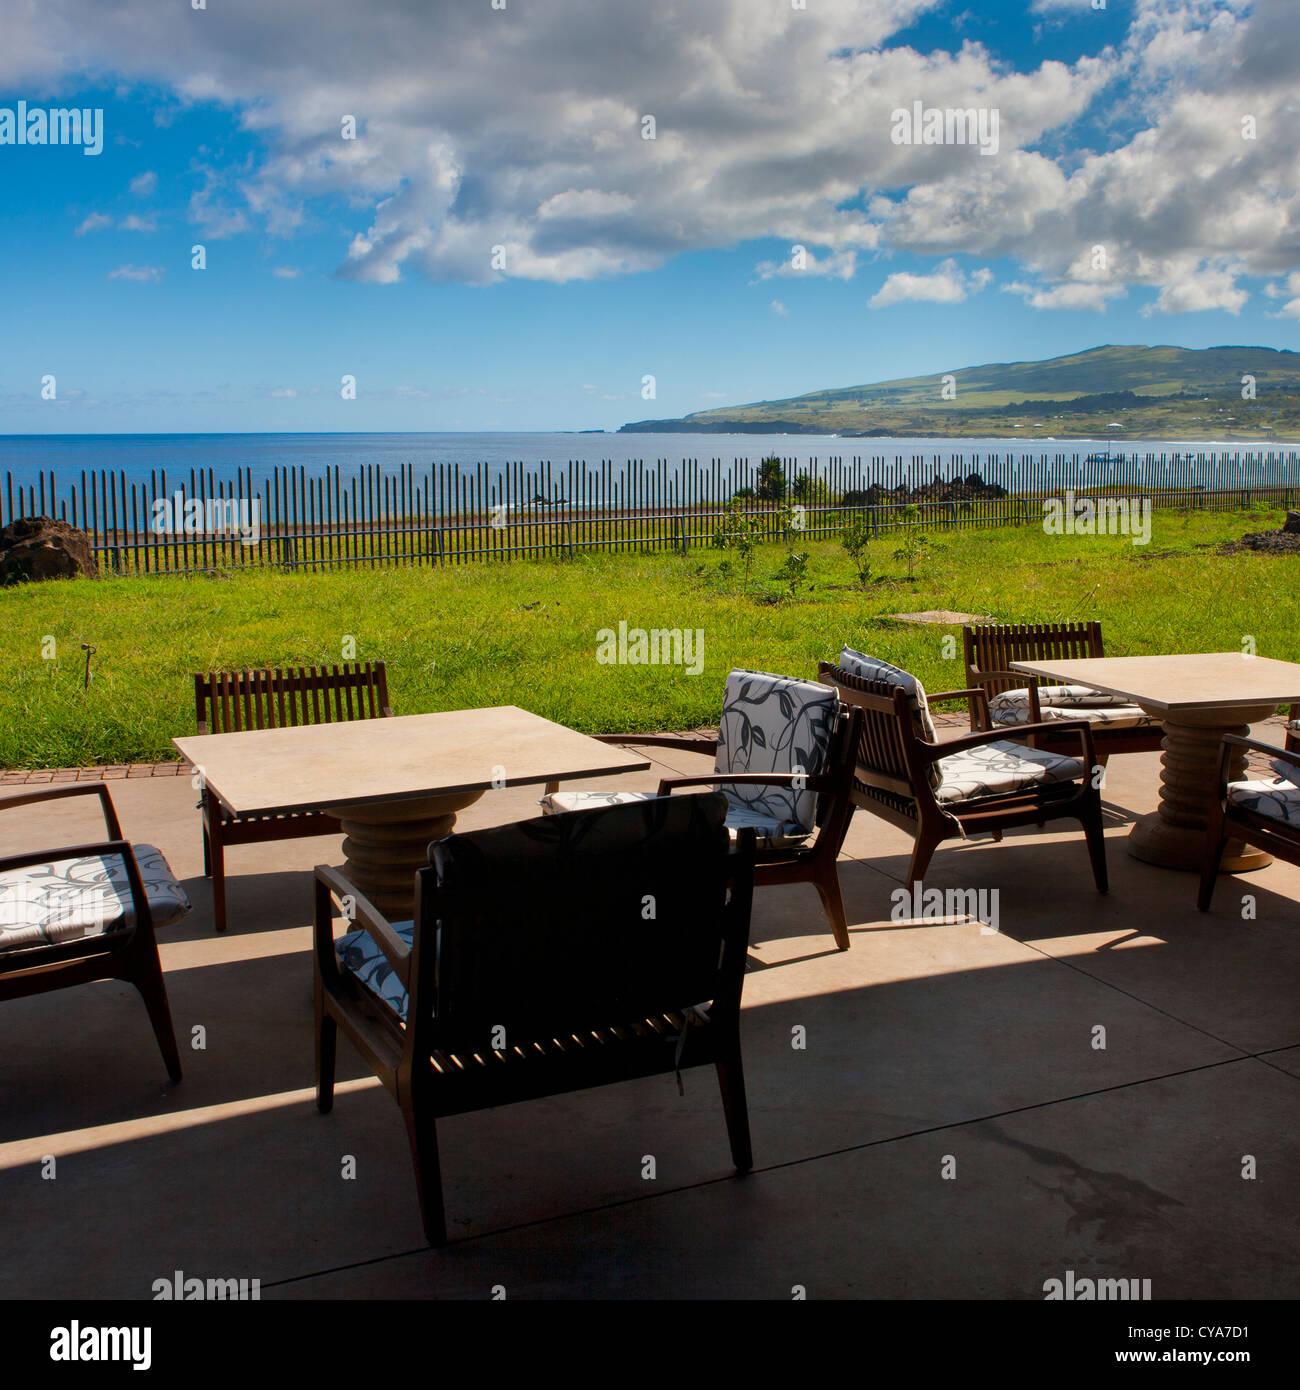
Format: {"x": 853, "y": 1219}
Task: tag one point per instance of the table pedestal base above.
{"x": 388, "y": 841}
{"x": 1174, "y": 836}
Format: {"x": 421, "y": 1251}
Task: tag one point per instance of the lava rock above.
{"x": 40, "y": 547}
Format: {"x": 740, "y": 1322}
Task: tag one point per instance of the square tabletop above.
{"x": 1197, "y": 680}
{"x": 368, "y": 761}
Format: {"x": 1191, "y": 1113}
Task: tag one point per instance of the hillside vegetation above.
{"x": 1148, "y": 392}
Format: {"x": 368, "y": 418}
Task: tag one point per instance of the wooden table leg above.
{"x": 1174, "y": 835}
{"x": 388, "y": 841}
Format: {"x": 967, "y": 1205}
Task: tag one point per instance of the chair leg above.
{"x": 922, "y": 852}
{"x": 828, "y": 888}
{"x": 731, "y": 1083}
{"x": 1210, "y": 873}
{"x": 144, "y": 970}
{"x": 1092, "y": 829}
{"x": 422, "y": 1132}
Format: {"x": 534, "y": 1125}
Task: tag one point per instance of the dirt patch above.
{"x": 1266, "y": 542}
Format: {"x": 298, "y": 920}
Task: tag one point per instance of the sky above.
{"x": 457, "y": 205}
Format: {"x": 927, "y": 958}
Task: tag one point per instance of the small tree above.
{"x": 855, "y": 537}
{"x": 771, "y": 480}
{"x": 916, "y": 544}
{"x": 738, "y": 532}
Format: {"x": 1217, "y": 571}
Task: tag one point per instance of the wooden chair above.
{"x": 228, "y": 701}
{"x": 74, "y": 914}
{"x": 987, "y": 784}
{"x": 548, "y": 956}
{"x": 1263, "y": 812}
{"x": 785, "y": 753}
{"x": 989, "y": 649}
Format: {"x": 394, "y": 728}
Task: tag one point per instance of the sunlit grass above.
{"x": 524, "y": 633}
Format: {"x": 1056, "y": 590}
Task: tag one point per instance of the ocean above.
{"x": 25, "y": 457}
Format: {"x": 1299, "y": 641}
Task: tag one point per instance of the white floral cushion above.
{"x": 1276, "y": 800}
{"x": 768, "y": 833}
{"x": 358, "y": 953}
{"x": 68, "y": 899}
{"x": 873, "y": 669}
{"x": 997, "y": 769}
{"x": 1011, "y": 707}
{"x": 774, "y": 724}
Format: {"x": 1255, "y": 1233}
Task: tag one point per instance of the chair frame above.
{"x": 988, "y": 650}
{"x": 1229, "y": 821}
{"x": 429, "y": 1082}
{"x": 817, "y": 863}
{"x": 129, "y": 954}
{"x": 891, "y": 779}
{"x": 231, "y": 701}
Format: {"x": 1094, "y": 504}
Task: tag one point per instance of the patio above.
{"x": 924, "y": 1040}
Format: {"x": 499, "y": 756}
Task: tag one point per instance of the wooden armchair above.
{"x": 1264, "y": 813}
{"x": 547, "y": 956}
{"x": 73, "y": 914}
{"x": 1015, "y": 698}
{"x": 784, "y": 760}
{"x": 228, "y": 701}
{"x": 985, "y": 781}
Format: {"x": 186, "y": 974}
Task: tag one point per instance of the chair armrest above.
{"x": 820, "y": 783}
{"x": 1020, "y": 677}
{"x": 976, "y": 696}
{"x": 99, "y": 789}
{"x": 122, "y": 848}
{"x": 1270, "y": 750}
{"x": 365, "y": 915}
{"x": 932, "y": 752}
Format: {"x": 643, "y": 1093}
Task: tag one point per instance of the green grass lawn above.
{"x": 525, "y": 633}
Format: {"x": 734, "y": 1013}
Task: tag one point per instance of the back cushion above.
{"x": 873, "y": 669}
{"x": 775, "y": 724}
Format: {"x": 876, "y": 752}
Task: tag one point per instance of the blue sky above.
{"x": 1119, "y": 128}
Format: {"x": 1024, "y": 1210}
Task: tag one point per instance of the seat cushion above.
{"x": 774, "y": 724}
{"x": 1010, "y": 707}
{"x": 1277, "y": 800}
{"x": 358, "y": 954}
{"x": 997, "y": 769}
{"x": 768, "y": 833}
{"x": 68, "y": 899}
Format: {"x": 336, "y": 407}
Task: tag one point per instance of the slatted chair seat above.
{"x": 532, "y": 969}
{"x": 233, "y": 701}
{"x": 1016, "y": 698}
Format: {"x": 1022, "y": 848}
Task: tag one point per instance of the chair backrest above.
{"x": 775, "y": 724}
{"x": 883, "y": 776}
{"x": 228, "y": 701}
{"x": 994, "y": 646}
{"x": 580, "y": 921}
{"x": 887, "y": 676}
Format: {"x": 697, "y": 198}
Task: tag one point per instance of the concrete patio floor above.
{"x": 950, "y": 1129}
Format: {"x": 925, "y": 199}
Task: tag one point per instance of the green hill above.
{"x": 1148, "y": 392}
